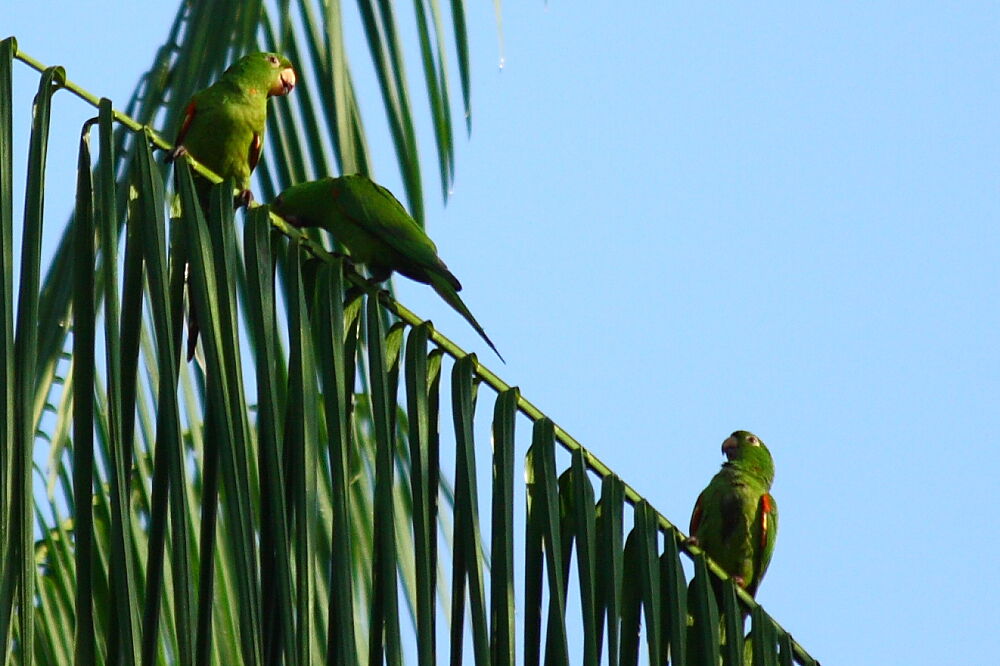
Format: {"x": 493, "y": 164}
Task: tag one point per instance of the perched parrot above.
{"x": 223, "y": 125}
{"x": 223, "y": 128}
{"x": 735, "y": 519}
{"x": 370, "y": 222}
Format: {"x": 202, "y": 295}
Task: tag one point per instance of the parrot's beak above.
{"x": 729, "y": 446}
{"x": 291, "y": 219}
{"x": 276, "y": 209}
{"x": 285, "y": 82}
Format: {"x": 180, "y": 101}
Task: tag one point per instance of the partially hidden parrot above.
{"x": 735, "y": 519}
{"x": 223, "y": 128}
{"x": 370, "y": 222}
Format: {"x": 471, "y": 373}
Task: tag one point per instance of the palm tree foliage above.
{"x": 285, "y": 500}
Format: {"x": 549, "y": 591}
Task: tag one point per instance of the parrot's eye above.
{"x": 754, "y": 441}
{"x": 272, "y": 59}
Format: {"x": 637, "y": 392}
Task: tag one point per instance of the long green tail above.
{"x": 452, "y": 298}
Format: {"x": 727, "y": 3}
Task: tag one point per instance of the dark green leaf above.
{"x": 502, "y": 651}
{"x": 83, "y": 405}
{"x": 467, "y": 565}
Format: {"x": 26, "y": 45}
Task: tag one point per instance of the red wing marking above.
{"x": 253, "y": 155}
{"x": 185, "y": 125}
{"x": 695, "y": 517}
{"x": 766, "y": 508}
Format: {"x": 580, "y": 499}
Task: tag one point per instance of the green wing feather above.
{"x": 451, "y": 297}
{"x": 370, "y": 222}
{"x": 378, "y": 212}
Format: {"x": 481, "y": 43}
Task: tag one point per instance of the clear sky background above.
{"x": 677, "y": 222}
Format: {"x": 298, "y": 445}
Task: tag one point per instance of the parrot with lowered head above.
{"x": 735, "y": 519}
{"x": 223, "y": 128}
{"x": 370, "y": 222}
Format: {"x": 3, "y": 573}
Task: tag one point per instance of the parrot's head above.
{"x": 746, "y": 450}
{"x": 271, "y": 72}
{"x": 304, "y": 205}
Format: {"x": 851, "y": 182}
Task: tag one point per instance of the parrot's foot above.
{"x": 740, "y": 581}
{"x": 371, "y": 284}
{"x": 348, "y": 262}
{"x": 175, "y": 153}
{"x": 692, "y": 541}
{"x": 379, "y": 273}
{"x": 243, "y": 199}
{"x": 377, "y": 290}
{"x": 346, "y": 258}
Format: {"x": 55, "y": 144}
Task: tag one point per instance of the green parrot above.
{"x": 735, "y": 519}
{"x": 223, "y": 128}
{"x": 223, "y": 125}
{"x": 370, "y": 222}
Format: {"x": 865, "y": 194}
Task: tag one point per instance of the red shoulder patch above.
{"x": 253, "y": 155}
{"x": 189, "y": 112}
{"x": 766, "y": 508}
{"x": 695, "y": 518}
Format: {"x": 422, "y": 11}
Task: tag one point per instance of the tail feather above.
{"x": 450, "y": 277}
{"x": 445, "y": 290}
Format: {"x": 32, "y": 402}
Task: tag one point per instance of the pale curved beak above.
{"x": 729, "y": 445}
{"x": 276, "y": 207}
{"x": 285, "y": 82}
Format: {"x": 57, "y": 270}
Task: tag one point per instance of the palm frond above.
{"x": 294, "y": 512}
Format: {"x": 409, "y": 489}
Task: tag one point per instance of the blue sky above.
{"x": 678, "y": 222}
